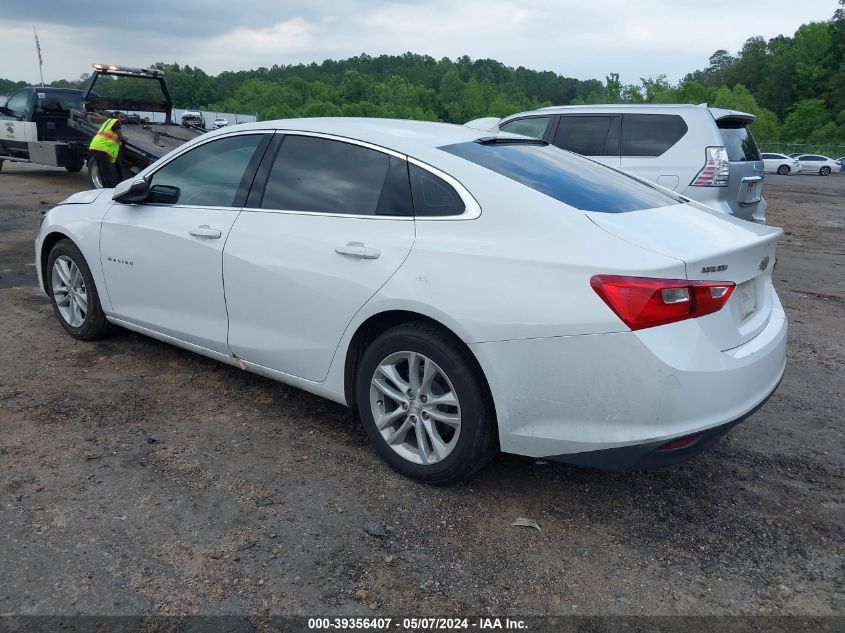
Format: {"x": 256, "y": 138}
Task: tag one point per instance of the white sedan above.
{"x": 220, "y": 122}
{"x": 780, "y": 164}
{"x": 818, "y": 164}
{"x": 464, "y": 293}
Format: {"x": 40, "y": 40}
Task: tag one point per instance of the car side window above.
{"x": 209, "y": 175}
{"x": 535, "y": 127}
{"x": 433, "y": 196}
{"x": 651, "y": 134}
{"x": 583, "y": 135}
{"x": 17, "y": 103}
{"x": 327, "y": 176}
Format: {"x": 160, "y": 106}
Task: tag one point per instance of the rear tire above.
{"x": 101, "y": 171}
{"x": 73, "y": 294}
{"x": 458, "y": 435}
{"x": 824, "y": 171}
{"x": 783, "y": 170}
{"x": 1, "y": 165}
{"x": 75, "y": 165}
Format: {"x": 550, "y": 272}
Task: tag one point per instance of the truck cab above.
{"x": 34, "y": 126}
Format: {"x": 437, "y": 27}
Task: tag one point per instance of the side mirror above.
{"x": 131, "y": 191}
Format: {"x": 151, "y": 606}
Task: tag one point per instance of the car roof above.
{"x": 407, "y": 137}
{"x": 52, "y": 89}
{"x": 639, "y": 108}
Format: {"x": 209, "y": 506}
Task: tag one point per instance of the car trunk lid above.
{"x": 713, "y": 247}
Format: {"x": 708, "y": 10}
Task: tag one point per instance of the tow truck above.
{"x": 34, "y": 128}
{"x": 54, "y": 126}
{"x": 146, "y": 141}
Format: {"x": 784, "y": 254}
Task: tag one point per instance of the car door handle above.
{"x": 357, "y": 249}
{"x": 203, "y": 230}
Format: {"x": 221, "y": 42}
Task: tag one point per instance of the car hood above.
{"x": 85, "y": 197}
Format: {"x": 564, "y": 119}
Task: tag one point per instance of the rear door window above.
{"x": 585, "y": 135}
{"x": 327, "y": 176}
{"x": 580, "y": 183}
{"x": 58, "y": 102}
{"x": 651, "y": 134}
{"x": 535, "y": 127}
{"x": 433, "y": 196}
{"x": 738, "y": 141}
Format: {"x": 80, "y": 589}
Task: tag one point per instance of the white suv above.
{"x": 707, "y": 154}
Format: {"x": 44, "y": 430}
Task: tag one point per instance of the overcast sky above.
{"x": 577, "y": 38}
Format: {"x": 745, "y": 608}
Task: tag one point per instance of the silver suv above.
{"x": 707, "y": 154}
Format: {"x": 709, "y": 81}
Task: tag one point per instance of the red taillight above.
{"x": 717, "y": 169}
{"x": 643, "y": 302}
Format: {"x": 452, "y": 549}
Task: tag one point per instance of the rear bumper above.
{"x": 714, "y": 197}
{"x": 572, "y": 398}
{"x": 654, "y": 454}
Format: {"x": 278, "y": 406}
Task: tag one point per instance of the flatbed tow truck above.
{"x": 145, "y": 142}
{"x": 52, "y": 126}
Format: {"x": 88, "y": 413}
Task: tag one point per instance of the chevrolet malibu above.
{"x": 463, "y": 293}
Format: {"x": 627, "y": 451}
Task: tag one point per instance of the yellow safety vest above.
{"x": 105, "y": 140}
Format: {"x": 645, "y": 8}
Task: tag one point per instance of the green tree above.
{"x": 807, "y": 116}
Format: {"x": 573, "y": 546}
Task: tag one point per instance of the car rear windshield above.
{"x": 738, "y": 141}
{"x": 568, "y": 178}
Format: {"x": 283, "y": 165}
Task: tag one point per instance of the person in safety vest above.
{"x": 109, "y": 138}
{"x": 105, "y": 148}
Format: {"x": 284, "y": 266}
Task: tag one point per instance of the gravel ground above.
{"x": 139, "y": 478}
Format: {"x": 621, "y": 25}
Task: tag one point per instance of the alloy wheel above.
{"x": 96, "y": 175}
{"x": 69, "y": 291}
{"x": 415, "y": 407}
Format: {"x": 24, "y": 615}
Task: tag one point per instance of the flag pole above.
{"x": 40, "y": 59}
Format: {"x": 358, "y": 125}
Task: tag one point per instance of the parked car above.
{"x": 707, "y": 154}
{"x": 780, "y": 164}
{"x": 193, "y": 119}
{"x": 132, "y": 118}
{"x": 220, "y": 122}
{"x": 464, "y": 293}
{"x": 818, "y": 164}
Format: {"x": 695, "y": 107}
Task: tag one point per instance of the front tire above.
{"x": 783, "y": 170}
{"x": 73, "y": 293}
{"x": 425, "y": 405}
{"x": 824, "y": 171}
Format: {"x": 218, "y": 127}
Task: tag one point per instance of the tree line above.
{"x": 794, "y": 85}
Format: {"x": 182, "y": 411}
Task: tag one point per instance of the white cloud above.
{"x": 570, "y": 37}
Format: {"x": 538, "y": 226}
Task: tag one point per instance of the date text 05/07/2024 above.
{"x": 416, "y": 624}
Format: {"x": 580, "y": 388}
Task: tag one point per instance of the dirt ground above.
{"x": 139, "y": 478}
